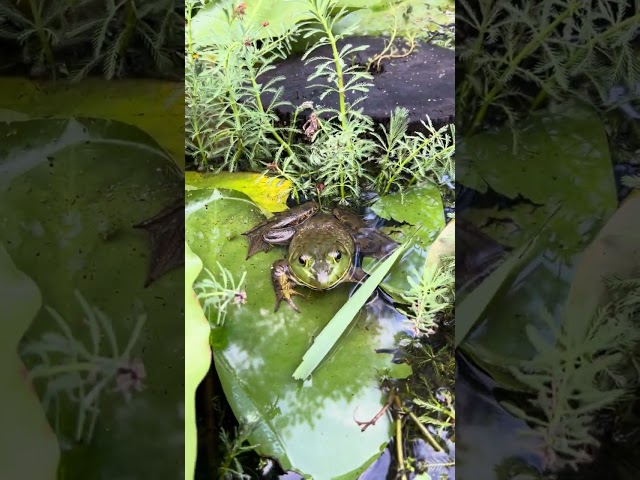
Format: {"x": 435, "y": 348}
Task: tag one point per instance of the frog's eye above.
{"x": 337, "y": 255}
{"x": 303, "y": 259}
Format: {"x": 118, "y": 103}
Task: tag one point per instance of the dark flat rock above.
{"x": 423, "y": 83}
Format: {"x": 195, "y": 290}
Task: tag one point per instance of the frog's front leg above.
{"x": 357, "y": 275}
{"x": 282, "y": 284}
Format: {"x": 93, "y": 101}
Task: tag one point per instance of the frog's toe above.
{"x": 256, "y": 242}
{"x": 282, "y": 285}
{"x": 258, "y": 247}
{"x": 357, "y": 275}
{"x": 289, "y": 301}
{"x": 292, "y": 304}
{"x": 286, "y": 294}
{"x": 372, "y": 243}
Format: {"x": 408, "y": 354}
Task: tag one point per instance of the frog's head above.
{"x": 321, "y": 266}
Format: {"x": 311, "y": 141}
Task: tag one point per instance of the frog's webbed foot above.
{"x": 372, "y": 243}
{"x": 282, "y": 284}
{"x": 256, "y": 242}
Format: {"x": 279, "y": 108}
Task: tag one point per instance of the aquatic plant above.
{"x": 515, "y": 56}
{"x": 83, "y": 373}
{"x": 430, "y": 296}
{"x": 334, "y": 155}
{"x": 218, "y": 291}
{"x": 76, "y": 38}
{"x": 586, "y": 369}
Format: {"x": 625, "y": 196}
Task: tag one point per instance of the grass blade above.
{"x": 470, "y": 310}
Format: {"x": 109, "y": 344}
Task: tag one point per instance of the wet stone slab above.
{"x": 423, "y": 83}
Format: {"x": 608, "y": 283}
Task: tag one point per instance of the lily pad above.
{"x": 70, "y": 193}
{"x": 210, "y": 25}
{"x": 420, "y": 208}
{"x": 562, "y": 160}
{"x": 157, "y": 107}
{"x": 444, "y": 245}
{"x": 25, "y": 429}
{"x": 412, "y": 16}
{"x": 257, "y": 351}
{"x": 615, "y": 252}
{"x": 270, "y": 194}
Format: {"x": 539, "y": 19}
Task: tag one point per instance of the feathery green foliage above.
{"x": 431, "y": 295}
{"x": 225, "y": 116}
{"x": 413, "y": 158}
{"x": 234, "y": 447}
{"x": 147, "y": 24}
{"x": 216, "y": 293}
{"x": 336, "y": 153}
{"x": 82, "y": 372}
{"x": 87, "y": 36}
{"x": 513, "y": 56}
{"x": 578, "y": 373}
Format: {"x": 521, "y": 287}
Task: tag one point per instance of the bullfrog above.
{"x": 322, "y": 248}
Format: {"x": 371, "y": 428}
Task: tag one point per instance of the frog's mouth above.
{"x": 326, "y": 275}
{"x": 322, "y": 277}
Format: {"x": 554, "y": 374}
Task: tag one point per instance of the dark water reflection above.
{"x": 487, "y": 435}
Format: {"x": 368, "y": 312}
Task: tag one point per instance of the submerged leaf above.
{"x": 121, "y": 100}
{"x": 70, "y": 192}
{"x": 376, "y": 17}
{"x": 210, "y": 26}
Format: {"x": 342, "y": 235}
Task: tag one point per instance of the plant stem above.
{"x": 436, "y": 446}
{"x": 233, "y": 102}
{"x": 378, "y": 58}
{"x": 399, "y": 452}
{"x": 402, "y": 164}
{"x": 134, "y": 336}
{"x": 44, "y": 41}
{"x": 191, "y": 60}
{"x": 466, "y": 88}
{"x": 272, "y": 129}
{"x": 341, "y": 91}
{"x": 130, "y": 26}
